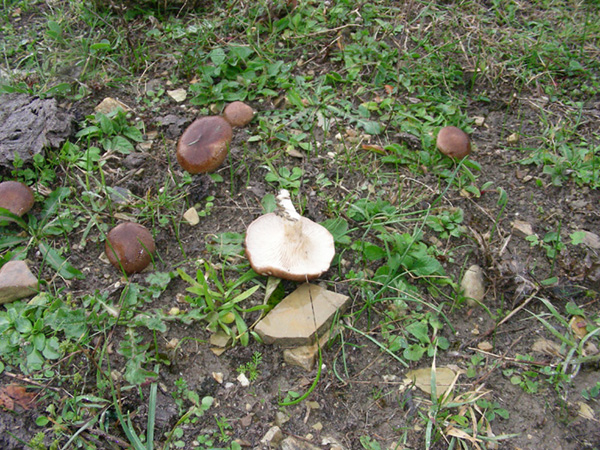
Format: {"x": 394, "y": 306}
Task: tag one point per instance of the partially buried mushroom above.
{"x": 129, "y": 246}
{"x": 453, "y": 142}
{"x": 238, "y": 114}
{"x": 204, "y": 145}
{"x": 16, "y": 197}
{"x": 286, "y": 245}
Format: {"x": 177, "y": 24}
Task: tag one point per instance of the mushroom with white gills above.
{"x": 286, "y": 245}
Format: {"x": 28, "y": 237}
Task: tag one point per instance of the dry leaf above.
{"x": 294, "y": 153}
{"x": 178, "y": 95}
{"x": 546, "y": 346}
{"x": 444, "y": 379}
{"x": 374, "y": 148}
{"x": 110, "y": 104}
{"x": 585, "y": 411}
{"x": 578, "y": 326}
{"x": 16, "y": 395}
{"x": 458, "y": 433}
{"x": 485, "y": 346}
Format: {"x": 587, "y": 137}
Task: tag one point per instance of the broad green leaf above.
{"x": 52, "y": 203}
{"x": 420, "y": 331}
{"x": 7, "y": 216}
{"x": 58, "y": 263}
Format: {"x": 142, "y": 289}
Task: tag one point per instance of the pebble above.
{"x": 472, "y": 285}
{"x": 16, "y": 282}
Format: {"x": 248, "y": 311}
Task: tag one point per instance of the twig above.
{"x": 514, "y": 360}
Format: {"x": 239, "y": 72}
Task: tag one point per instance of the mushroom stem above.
{"x": 286, "y": 207}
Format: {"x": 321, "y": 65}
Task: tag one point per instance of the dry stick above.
{"x": 513, "y": 360}
{"x": 512, "y": 313}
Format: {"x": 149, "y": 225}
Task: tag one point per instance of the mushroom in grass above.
{"x": 16, "y": 197}
{"x": 453, "y": 142}
{"x": 238, "y": 114}
{"x": 129, "y": 246}
{"x": 204, "y": 145}
{"x": 286, "y": 245}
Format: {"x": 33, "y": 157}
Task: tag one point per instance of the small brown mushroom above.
{"x": 204, "y": 145}
{"x": 16, "y": 197}
{"x": 129, "y": 246}
{"x": 238, "y": 114}
{"x": 286, "y": 245}
{"x": 453, "y": 142}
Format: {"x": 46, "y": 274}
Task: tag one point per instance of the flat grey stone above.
{"x": 292, "y": 321}
{"x": 16, "y": 282}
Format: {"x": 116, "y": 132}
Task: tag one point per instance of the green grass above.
{"x": 350, "y": 99}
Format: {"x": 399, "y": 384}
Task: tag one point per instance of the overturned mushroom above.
{"x": 204, "y": 145}
{"x": 286, "y": 245}
{"x": 238, "y": 114}
{"x": 129, "y": 246}
{"x": 16, "y": 197}
{"x": 453, "y": 142}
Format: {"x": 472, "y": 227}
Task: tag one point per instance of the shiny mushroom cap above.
{"x": 204, "y": 145}
{"x": 453, "y": 142}
{"x": 16, "y": 197}
{"x": 286, "y": 245}
{"x": 238, "y": 114}
{"x": 129, "y": 245}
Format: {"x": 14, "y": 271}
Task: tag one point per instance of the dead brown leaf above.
{"x": 15, "y": 395}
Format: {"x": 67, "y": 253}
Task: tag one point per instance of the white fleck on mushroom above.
{"x": 286, "y": 245}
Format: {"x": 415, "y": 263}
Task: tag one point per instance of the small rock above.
{"x": 218, "y": 377}
{"x": 134, "y": 160}
{"x": 333, "y": 443}
{"x": 472, "y": 285}
{"x": 120, "y": 195}
{"x": 243, "y": 380}
{"x": 191, "y": 216}
{"x": 292, "y": 321}
{"x": 304, "y": 356}
{"x": 513, "y": 138}
{"x": 220, "y": 339}
{"x": 317, "y": 426}
{"x": 522, "y": 228}
{"x": 281, "y": 418}
{"x": 273, "y": 437}
{"x": 291, "y": 443}
{"x": 16, "y": 281}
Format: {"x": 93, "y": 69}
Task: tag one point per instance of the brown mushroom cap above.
{"x": 131, "y": 246}
{"x": 204, "y": 145}
{"x": 453, "y": 142}
{"x": 16, "y": 197}
{"x": 289, "y": 246}
{"x": 238, "y": 114}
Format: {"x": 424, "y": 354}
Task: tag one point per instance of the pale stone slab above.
{"x": 16, "y": 281}
{"x": 292, "y": 321}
